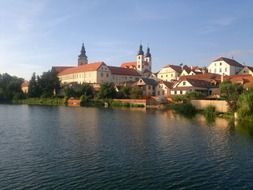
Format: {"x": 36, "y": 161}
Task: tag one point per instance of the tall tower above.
{"x": 140, "y": 59}
{"x": 148, "y": 60}
{"x": 82, "y": 58}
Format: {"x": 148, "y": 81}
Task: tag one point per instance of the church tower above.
{"x": 140, "y": 60}
{"x": 82, "y": 58}
{"x": 148, "y": 60}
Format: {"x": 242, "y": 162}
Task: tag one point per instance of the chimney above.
{"x": 222, "y": 78}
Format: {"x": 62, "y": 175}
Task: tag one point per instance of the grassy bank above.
{"x": 125, "y": 105}
{"x": 41, "y": 101}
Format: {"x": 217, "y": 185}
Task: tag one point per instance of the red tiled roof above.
{"x": 129, "y": 64}
{"x": 167, "y": 84}
{"x": 250, "y": 68}
{"x": 58, "y": 69}
{"x": 82, "y": 68}
{"x": 123, "y": 71}
{"x": 235, "y": 78}
{"x": 202, "y": 76}
{"x": 176, "y": 68}
{"x": 199, "y": 83}
{"x": 231, "y": 62}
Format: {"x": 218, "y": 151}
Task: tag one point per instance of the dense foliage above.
{"x": 245, "y": 105}
{"x": 44, "y": 86}
{"x": 231, "y": 92}
{"x": 186, "y": 98}
{"x": 107, "y": 91}
{"x": 10, "y": 87}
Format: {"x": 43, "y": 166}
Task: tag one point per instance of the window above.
{"x": 139, "y": 66}
{"x": 181, "y": 92}
{"x": 101, "y": 74}
{"x": 184, "y": 83}
{"x": 107, "y": 75}
{"x": 220, "y": 70}
{"x": 171, "y": 74}
{"x": 220, "y": 63}
{"x": 149, "y": 87}
{"x": 214, "y": 70}
{"x": 226, "y": 69}
{"x": 161, "y": 76}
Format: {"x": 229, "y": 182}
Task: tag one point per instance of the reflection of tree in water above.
{"x": 244, "y": 127}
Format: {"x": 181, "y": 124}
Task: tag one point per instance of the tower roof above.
{"x": 83, "y": 52}
{"x": 141, "y": 52}
{"x": 148, "y": 54}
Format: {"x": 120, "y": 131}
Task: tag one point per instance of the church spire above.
{"x": 148, "y": 54}
{"x": 141, "y": 52}
{"x": 83, "y": 52}
{"x": 82, "y": 58}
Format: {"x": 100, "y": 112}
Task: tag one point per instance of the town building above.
{"x": 247, "y": 70}
{"x": 94, "y": 73}
{"x": 143, "y": 63}
{"x": 206, "y": 83}
{"x": 225, "y": 66}
{"x": 170, "y": 72}
{"x": 25, "y": 87}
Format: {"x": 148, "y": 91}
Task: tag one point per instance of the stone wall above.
{"x": 220, "y": 105}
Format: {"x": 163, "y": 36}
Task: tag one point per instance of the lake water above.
{"x": 94, "y": 148}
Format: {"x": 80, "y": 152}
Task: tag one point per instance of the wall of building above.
{"x": 220, "y": 105}
{"x": 167, "y": 74}
{"x": 220, "y": 67}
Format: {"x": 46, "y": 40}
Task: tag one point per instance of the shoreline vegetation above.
{"x": 47, "y": 90}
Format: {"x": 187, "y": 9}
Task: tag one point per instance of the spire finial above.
{"x": 141, "y": 52}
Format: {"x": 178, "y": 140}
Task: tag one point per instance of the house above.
{"x": 25, "y": 87}
{"x": 170, "y": 72}
{"x": 245, "y": 80}
{"x": 207, "y": 83}
{"x": 193, "y": 70}
{"x": 189, "y": 85}
{"x": 225, "y": 66}
{"x": 148, "y": 86}
{"x": 247, "y": 70}
{"x": 163, "y": 88}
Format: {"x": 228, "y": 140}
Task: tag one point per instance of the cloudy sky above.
{"x": 36, "y": 34}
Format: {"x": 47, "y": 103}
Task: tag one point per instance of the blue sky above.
{"x": 36, "y": 34}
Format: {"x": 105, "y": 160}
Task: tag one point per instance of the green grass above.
{"x": 41, "y": 101}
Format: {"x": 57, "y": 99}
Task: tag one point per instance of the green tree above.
{"x": 245, "y": 105}
{"x": 107, "y": 90}
{"x": 10, "y": 87}
{"x": 33, "y": 88}
{"x": 136, "y": 93}
{"x": 46, "y": 85}
{"x": 124, "y": 92}
{"x": 231, "y": 92}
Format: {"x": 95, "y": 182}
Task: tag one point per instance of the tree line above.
{"x": 10, "y": 88}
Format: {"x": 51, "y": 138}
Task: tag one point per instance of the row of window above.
{"x": 171, "y": 75}
{"x": 218, "y": 70}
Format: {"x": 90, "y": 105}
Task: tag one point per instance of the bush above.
{"x": 210, "y": 113}
{"x": 185, "y": 109}
{"x": 245, "y": 106}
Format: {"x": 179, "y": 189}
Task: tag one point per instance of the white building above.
{"x": 94, "y": 73}
{"x": 170, "y": 72}
{"x": 225, "y": 66}
{"x": 247, "y": 70}
{"x": 143, "y": 63}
